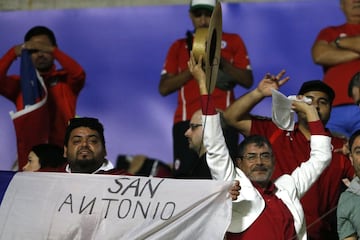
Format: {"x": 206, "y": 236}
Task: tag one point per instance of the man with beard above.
{"x": 84, "y": 148}
{"x": 195, "y": 134}
{"x": 292, "y": 148}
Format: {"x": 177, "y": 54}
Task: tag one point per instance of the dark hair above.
{"x": 257, "y": 139}
{"x": 354, "y": 82}
{"x": 50, "y": 155}
{"x": 352, "y": 138}
{"x": 41, "y": 30}
{"x": 92, "y": 123}
{"x": 317, "y": 85}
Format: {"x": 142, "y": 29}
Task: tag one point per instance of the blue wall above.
{"x": 123, "y": 49}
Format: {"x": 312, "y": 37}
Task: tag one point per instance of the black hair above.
{"x": 354, "y": 82}
{"x": 257, "y": 139}
{"x": 50, "y": 155}
{"x": 352, "y": 138}
{"x": 92, "y": 123}
{"x": 317, "y": 85}
{"x": 41, "y": 30}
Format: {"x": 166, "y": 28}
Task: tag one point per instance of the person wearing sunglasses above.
{"x": 234, "y": 70}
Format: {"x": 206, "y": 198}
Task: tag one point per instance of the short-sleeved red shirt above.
{"x": 232, "y": 49}
{"x": 338, "y": 76}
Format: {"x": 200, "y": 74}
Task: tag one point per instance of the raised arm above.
{"x": 238, "y": 113}
{"x": 249, "y": 203}
{"x": 320, "y": 154}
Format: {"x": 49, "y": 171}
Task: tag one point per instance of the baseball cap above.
{"x": 317, "y": 85}
{"x": 202, "y": 4}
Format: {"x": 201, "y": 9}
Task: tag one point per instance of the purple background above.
{"x": 122, "y": 50}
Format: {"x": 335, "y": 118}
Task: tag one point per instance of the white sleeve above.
{"x": 249, "y": 205}
{"x": 308, "y": 172}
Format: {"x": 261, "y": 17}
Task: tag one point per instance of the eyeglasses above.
{"x": 194, "y": 126}
{"x": 265, "y": 156}
{"x": 201, "y": 12}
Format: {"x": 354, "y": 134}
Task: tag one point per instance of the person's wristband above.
{"x": 337, "y": 42}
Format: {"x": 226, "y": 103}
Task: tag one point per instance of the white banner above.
{"x": 87, "y": 206}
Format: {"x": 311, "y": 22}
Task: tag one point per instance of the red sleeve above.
{"x": 76, "y": 73}
{"x": 207, "y": 105}
{"x": 329, "y": 34}
{"x": 240, "y": 58}
{"x": 317, "y": 128}
{"x": 176, "y": 58}
{"x": 9, "y": 85}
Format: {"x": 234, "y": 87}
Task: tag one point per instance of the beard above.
{"x": 85, "y": 165}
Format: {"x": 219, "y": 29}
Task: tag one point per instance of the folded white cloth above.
{"x": 282, "y": 115}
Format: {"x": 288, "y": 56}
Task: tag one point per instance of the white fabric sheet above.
{"x": 87, "y": 206}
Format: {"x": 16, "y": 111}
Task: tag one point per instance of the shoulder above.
{"x": 179, "y": 41}
{"x": 345, "y": 203}
{"x": 332, "y": 29}
{"x": 231, "y": 37}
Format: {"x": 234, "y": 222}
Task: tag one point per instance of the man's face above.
{"x": 257, "y": 163}
{"x": 200, "y": 18}
{"x": 351, "y": 9}
{"x": 42, "y": 60}
{"x": 322, "y": 104}
{"x": 355, "y": 155}
{"x": 84, "y": 151}
{"x": 194, "y": 133}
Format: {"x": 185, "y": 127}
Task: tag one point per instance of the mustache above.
{"x": 84, "y": 148}
{"x": 259, "y": 168}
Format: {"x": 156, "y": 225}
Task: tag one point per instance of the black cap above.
{"x": 317, "y": 85}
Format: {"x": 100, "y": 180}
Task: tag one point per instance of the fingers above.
{"x": 234, "y": 190}
{"x": 279, "y": 79}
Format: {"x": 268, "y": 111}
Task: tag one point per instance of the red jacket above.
{"x": 63, "y": 86}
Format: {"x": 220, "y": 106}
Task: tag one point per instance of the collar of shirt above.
{"x": 106, "y": 166}
{"x": 269, "y": 190}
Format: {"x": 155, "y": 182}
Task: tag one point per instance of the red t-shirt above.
{"x": 232, "y": 49}
{"x": 338, "y": 76}
{"x": 275, "y": 222}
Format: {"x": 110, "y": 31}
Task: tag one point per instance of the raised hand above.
{"x": 271, "y": 82}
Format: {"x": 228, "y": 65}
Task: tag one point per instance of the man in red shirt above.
{"x": 234, "y": 70}
{"x": 291, "y": 148}
{"x": 337, "y": 50}
{"x": 45, "y": 123}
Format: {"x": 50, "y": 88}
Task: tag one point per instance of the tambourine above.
{"x": 207, "y": 42}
